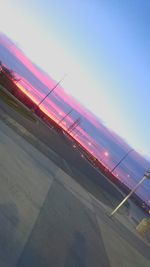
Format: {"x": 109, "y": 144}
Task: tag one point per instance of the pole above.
{"x": 74, "y": 125}
{"x": 121, "y": 160}
{"x": 65, "y": 116}
{"x": 126, "y": 198}
{"x": 51, "y": 90}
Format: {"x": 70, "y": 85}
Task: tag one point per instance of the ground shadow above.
{"x": 9, "y": 219}
{"x": 77, "y": 252}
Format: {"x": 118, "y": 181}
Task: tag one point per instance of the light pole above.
{"x": 125, "y": 156}
{"x": 50, "y": 91}
{"x": 146, "y": 176}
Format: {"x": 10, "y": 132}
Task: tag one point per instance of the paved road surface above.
{"x": 66, "y": 157}
{"x": 48, "y": 219}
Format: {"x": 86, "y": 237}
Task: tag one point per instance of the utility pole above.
{"x": 65, "y": 117}
{"x": 125, "y": 156}
{"x": 38, "y": 105}
{"x": 74, "y": 125}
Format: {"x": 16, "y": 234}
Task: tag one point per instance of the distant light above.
{"x": 106, "y": 153}
{"x": 128, "y": 175}
{"x": 60, "y": 113}
{"x": 117, "y": 175}
{"x": 89, "y": 143}
{"x": 74, "y": 146}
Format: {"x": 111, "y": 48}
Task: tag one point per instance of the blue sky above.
{"x": 103, "y": 46}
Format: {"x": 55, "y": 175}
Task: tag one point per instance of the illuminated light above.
{"x": 74, "y": 146}
{"x": 63, "y": 95}
{"x": 106, "y": 154}
{"x": 47, "y": 82}
{"x": 128, "y": 175}
{"x": 60, "y": 113}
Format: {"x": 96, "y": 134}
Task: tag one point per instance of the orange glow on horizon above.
{"x": 27, "y": 93}
{"x": 56, "y": 112}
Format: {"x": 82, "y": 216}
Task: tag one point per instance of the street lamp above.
{"x": 146, "y": 176}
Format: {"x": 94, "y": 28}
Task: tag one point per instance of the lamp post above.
{"x": 146, "y": 176}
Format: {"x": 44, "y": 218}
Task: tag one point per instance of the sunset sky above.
{"x": 103, "y": 46}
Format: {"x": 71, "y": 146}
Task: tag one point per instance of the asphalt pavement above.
{"x": 48, "y": 219}
{"x": 53, "y": 211}
{"x": 60, "y": 150}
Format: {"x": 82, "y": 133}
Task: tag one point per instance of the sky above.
{"x": 102, "y": 46}
{"x": 109, "y": 148}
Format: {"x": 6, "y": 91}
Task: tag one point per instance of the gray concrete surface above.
{"x": 59, "y": 149}
{"x": 55, "y": 146}
{"x": 48, "y": 219}
{"x": 23, "y": 188}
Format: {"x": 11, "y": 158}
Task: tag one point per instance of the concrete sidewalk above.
{"x": 48, "y": 219}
